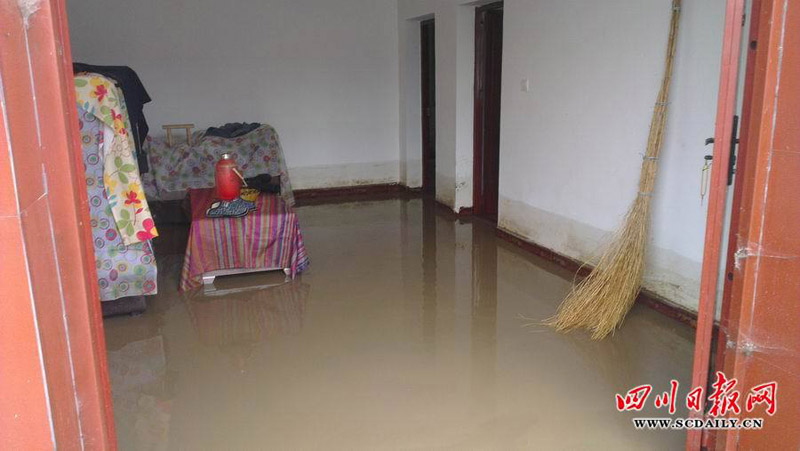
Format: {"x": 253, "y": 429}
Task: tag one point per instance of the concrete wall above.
{"x": 455, "y": 66}
{"x": 324, "y": 73}
{"x": 570, "y": 147}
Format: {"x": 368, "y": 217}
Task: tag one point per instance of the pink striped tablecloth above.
{"x": 268, "y": 238}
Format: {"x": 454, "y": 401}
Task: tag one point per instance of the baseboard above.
{"x": 462, "y": 213}
{"x": 350, "y": 193}
{"x": 646, "y": 297}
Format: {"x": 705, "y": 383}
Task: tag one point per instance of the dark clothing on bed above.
{"x": 262, "y": 183}
{"x": 135, "y": 98}
{"x": 232, "y": 129}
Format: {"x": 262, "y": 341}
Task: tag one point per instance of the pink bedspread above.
{"x": 267, "y": 238}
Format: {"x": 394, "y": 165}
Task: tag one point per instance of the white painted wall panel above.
{"x": 569, "y": 163}
{"x": 323, "y": 73}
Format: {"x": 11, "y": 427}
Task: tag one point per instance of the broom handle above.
{"x": 655, "y": 140}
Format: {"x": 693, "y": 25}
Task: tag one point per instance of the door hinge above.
{"x": 734, "y": 142}
{"x": 732, "y": 156}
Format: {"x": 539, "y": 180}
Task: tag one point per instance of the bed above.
{"x": 122, "y": 227}
{"x": 176, "y": 169}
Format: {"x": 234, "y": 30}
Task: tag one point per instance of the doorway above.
{"x": 428, "y": 52}
{"x": 488, "y": 78}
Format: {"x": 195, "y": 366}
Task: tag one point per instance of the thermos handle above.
{"x": 239, "y": 174}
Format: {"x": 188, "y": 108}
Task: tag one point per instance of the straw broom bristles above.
{"x": 600, "y": 302}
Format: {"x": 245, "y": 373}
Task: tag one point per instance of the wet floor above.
{"x": 405, "y": 332}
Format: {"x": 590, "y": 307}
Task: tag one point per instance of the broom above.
{"x": 600, "y": 302}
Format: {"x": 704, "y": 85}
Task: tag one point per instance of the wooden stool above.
{"x": 187, "y": 127}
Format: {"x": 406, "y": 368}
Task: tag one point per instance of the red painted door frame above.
{"x": 752, "y": 98}
{"x": 758, "y": 343}
{"x": 726, "y": 109}
{"x": 763, "y": 340}
{"x": 55, "y": 391}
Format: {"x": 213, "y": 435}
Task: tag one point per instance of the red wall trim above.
{"x": 646, "y": 297}
{"x": 764, "y": 340}
{"x": 42, "y": 153}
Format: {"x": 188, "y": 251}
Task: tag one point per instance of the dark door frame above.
{"x": 428, "y": 85}
{"x": 484, "y": 196}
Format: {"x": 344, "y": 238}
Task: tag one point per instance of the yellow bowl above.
{"x": 249, "y": 194}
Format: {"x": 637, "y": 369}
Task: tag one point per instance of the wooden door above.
{"x": 761, "y": 308}
{"x": 488, "y": 79}
{"x": 758, "y": 334}
{"x": 428, "y": 51}
{"x": 54, "y": 387}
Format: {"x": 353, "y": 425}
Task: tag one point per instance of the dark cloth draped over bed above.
{"x": 232, "y": 129}
{"x": 135, "y": 97}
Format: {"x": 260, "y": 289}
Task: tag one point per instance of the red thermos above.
{"x": 229, "y": 182}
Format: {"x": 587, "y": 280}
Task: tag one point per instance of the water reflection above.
{"x": 138, "y": 371}
{"x": 141, "y": 352}
{"x": 484, "y": 315}
{"x": 238, "y": 322}
{"x": 429, "y": 278}
{"x": 410, "y": 338}
{"x": 251, "y": 317}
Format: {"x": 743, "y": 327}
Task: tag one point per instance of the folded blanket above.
{"x": 100, "y": 97}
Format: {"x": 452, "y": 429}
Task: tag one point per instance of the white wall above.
{"x": 570, "y": 148}
{"x": 339, "y": 79}
{"x": 410, "y": 101}
{"x": 323, "y": 73}
{"x": 455, "y": 66}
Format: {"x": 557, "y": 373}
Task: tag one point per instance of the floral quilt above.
{"x": 181, "y": 167}
{"x": 122, "y": 270}
{"x": 100, "y": 97}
